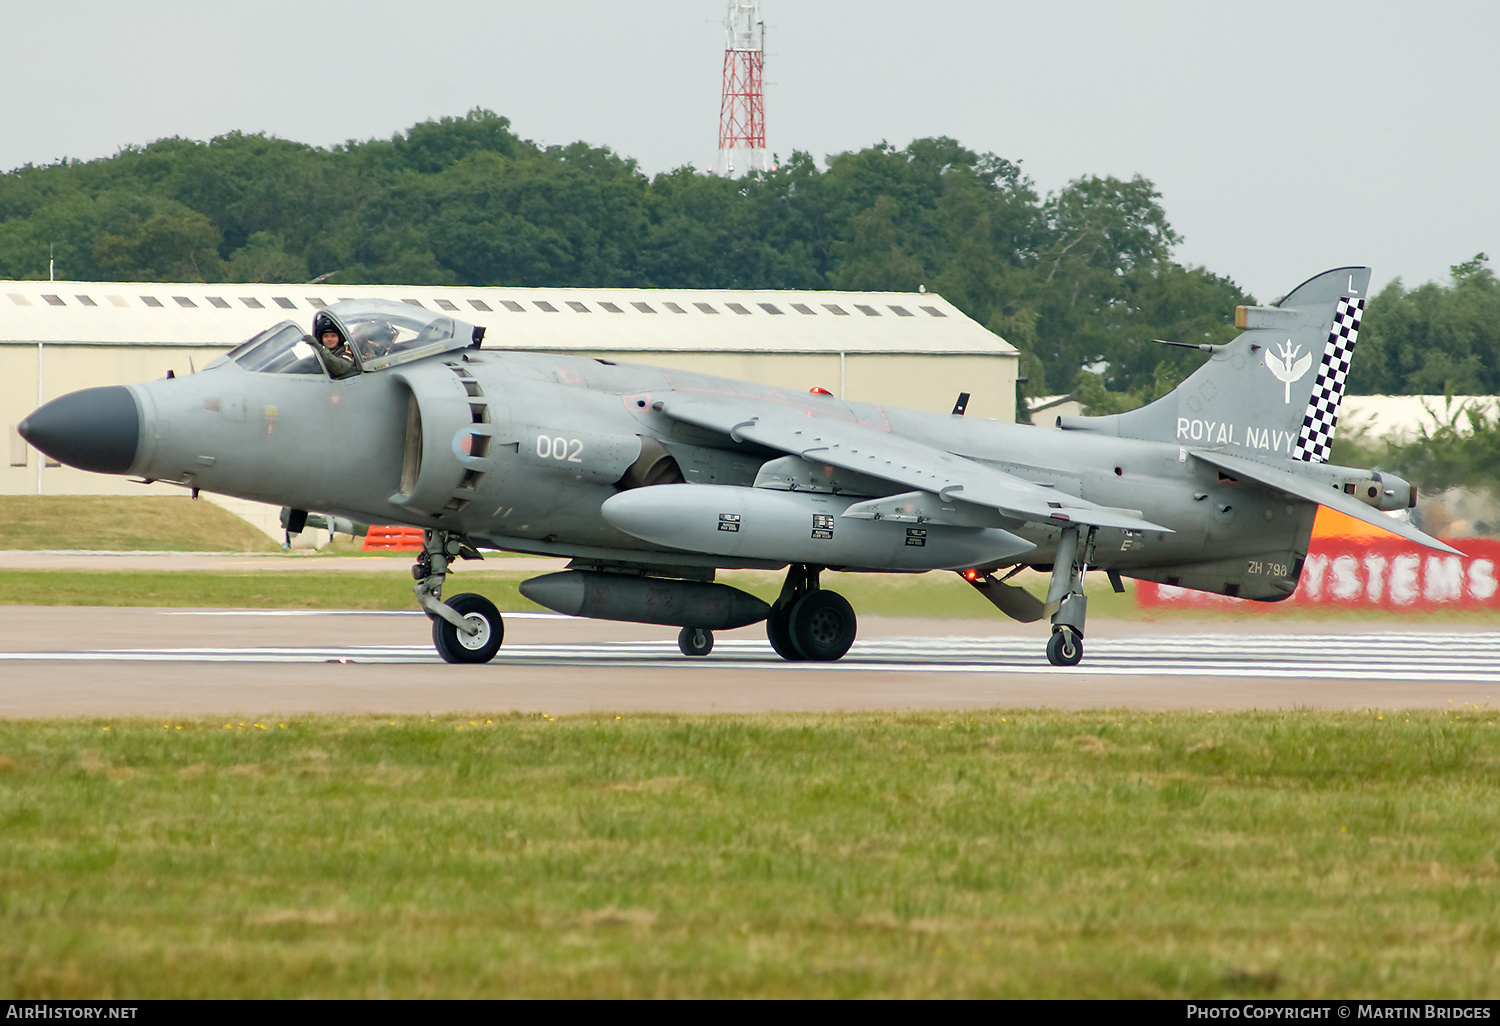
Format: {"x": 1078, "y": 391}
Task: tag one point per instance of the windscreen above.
{"x": 283, "y": 349}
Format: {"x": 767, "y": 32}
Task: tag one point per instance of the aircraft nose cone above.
{"x": 94, "y": 429}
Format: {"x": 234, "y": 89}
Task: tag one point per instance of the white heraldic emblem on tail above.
{"x": 1287, "y": 367}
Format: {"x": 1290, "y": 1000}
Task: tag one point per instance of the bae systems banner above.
{"x": 1370, "y": 573}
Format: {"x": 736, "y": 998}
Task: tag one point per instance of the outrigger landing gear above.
{"x": 467, "y": 628}
{"x": 806, "y": 622}
{"x": 1064, "y": 648}
{"x": 1065, "y": 596}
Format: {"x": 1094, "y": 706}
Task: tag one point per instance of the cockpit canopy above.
{"x": 381, "y": 334}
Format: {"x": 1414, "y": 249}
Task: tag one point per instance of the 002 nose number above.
{"x": 569, "y": 450}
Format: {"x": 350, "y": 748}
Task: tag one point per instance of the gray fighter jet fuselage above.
{"x": 651, "y": 479}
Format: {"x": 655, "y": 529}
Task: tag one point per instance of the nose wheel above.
{"x": 478, "y": 612}
{"x": 467, "y": 628}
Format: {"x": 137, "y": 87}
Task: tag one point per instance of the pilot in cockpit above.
{"x": 335, "y": 352}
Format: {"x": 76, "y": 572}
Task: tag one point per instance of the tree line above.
{"x": 1081, "y": 281}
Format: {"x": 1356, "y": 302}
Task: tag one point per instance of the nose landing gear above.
{"x": 456, "y": 646}
{"x": 467, "y": 628}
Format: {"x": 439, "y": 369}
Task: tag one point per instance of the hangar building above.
{"x": 900, "y": 349}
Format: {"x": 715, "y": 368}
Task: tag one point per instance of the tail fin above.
{"x": 1274, "y": 390}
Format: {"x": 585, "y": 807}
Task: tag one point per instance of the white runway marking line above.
{"x": 345, "y": 612}
{"x": 1387, "y": 656}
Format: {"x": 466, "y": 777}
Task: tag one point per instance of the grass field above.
{"x": 309, "y": 589}
{"x": 935, "y": 594}
{"x": 1015, "y": 853}
{"x": 120, "y": 523}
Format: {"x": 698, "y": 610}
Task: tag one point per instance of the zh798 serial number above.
{"x": 1273, "y": 569}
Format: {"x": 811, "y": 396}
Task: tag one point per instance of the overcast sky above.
{"x": 1285, "y": 137}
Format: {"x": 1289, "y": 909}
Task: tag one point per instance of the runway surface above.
{"x": 113, "y": 662}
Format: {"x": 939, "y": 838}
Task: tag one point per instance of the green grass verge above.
{"x": 999, "y": 854}
{"x": 936, "y": 594}
{"x": 124, "y": 523}
{"x": 307, "y": 589}
{"x": 941, "y": 595}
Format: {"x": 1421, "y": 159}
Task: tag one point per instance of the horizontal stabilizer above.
{"x": 1312, "y": 491}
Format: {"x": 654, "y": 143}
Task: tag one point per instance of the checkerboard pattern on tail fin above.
{"x": 1315, "y": 442}
{"x": 1270, "y": 393}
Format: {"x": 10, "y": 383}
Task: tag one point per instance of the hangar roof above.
{"x": 1401, "y": 418}
{"x": 617, "y": 320}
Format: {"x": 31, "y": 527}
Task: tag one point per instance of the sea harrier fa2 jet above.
{"x": 650, "y": 480}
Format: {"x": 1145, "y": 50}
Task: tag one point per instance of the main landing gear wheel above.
{"x": 695, "y": 641}
{"x": 779, "y": 633}
{"x": 822, "y": 626}
{"x": 1064, "y": 648}
{"x": 457, "y": 647}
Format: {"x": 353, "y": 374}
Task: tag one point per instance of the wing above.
{"x": 903, "y": 461}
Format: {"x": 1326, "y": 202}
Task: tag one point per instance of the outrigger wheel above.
{"x": 1075, "y": 551}
{"x": 1064, "y": 648}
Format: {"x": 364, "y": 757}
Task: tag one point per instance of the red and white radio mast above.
{"x": 742, "y": 110}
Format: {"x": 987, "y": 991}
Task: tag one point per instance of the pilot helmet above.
{"x": 322, "y": 324}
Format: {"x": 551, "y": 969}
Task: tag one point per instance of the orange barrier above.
{"x": 393, "y": 539}
{"x": 1330, "y": 523}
